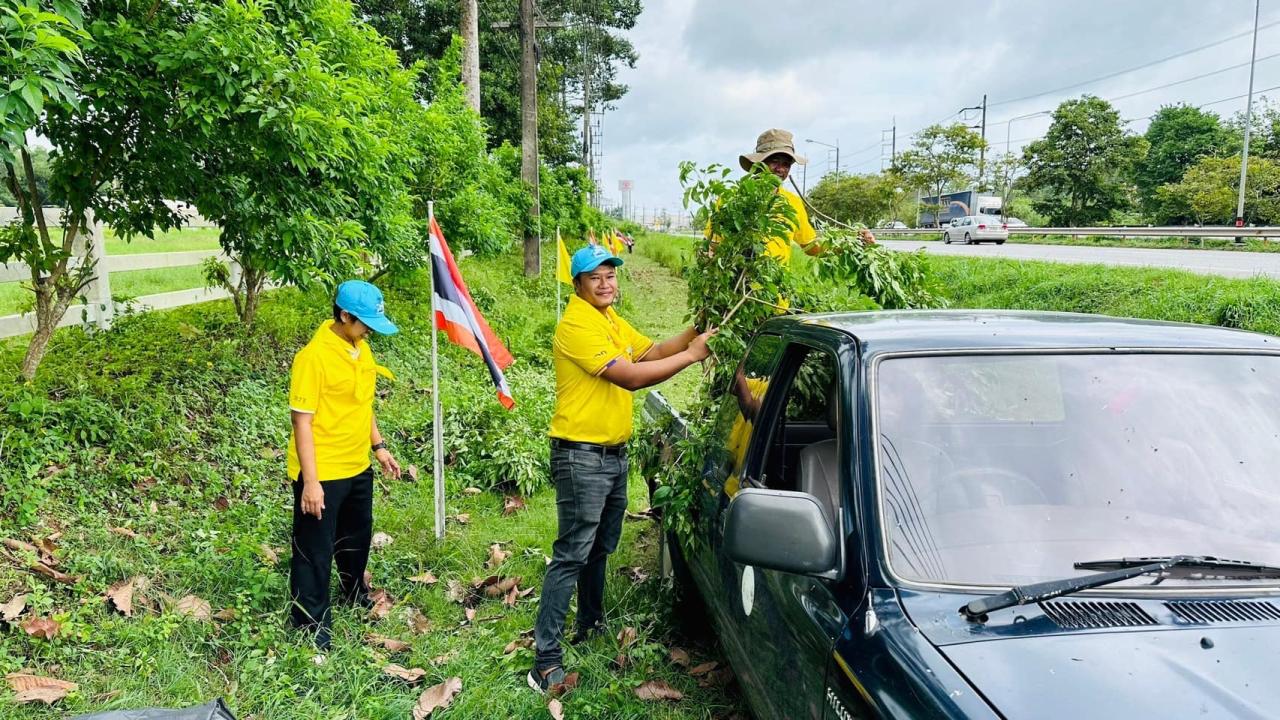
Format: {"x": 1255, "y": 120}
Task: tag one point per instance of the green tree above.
{"x": 1264, "y": 139}
{"x": 38, "y": 65}
{"x": 1084, "y": 164}
{"x": 299, "y": 121}
{"x": 1209, "y": 191}
{"x": 1179, "y": 135}
{"x": 941, "y": 158}
{"x": 866, "y": 199}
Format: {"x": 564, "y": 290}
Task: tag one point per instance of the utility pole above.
{"x": 982, "y": 151}
{"x": 528, "y": 27}
{"x": 1248, "y": 119}
{"x": 471, "y": 52}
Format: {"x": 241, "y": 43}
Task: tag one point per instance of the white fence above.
{"x": 99, "y": 309}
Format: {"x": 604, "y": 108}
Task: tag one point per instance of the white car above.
{"x": 894, "y": 225}
{"x": 975, "y": 229}
{"x": 1012, "y": 221}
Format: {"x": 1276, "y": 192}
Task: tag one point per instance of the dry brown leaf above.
{"x": 20, "y": 546}
{"x": 418, "y": 622}
{"x": 194, "y": 607}
{"x": 442, "y": 659}
{"x": 470, "y": 614}
{"x": 497, "y": 556}
{"x": 436, "y": 697}
{"x": 269, "y": 554}
{"x": 12, "y": 609}
{"x": 634, "y": 574}
{"x": 471, "y": 491}
{"x": 556, "y": 709}
{"x": 654, "y": 690}
{"x": 621, "y": 660}
{"x": 382, "y": 603}
{"x": 413, "y": 473}
{"x": 409, "y": 675}
{"x": 512, "y": 596}
{"x": 55, "y": 575}
{"x": 564, "y": 688}
{"x": 226, "y": 615}
{"x": 456, "y": 592}
{"x": 380, "y": 540}
{"x": 34, "y": 688}
{"x": 512, "y": 504}
{"x": 679, "y": 656}
{"x": 704, "y": 668}
{"x": 368, "y": 579}
{"x": 46, "y": 628}
{"x": 520, "y": 642}
{"x": 47, "y": 548}
{"x": 716, "y": 678}
{"x": 124, "y": 532}
{"x": 120, "y": 597}
{"x": 391, "y": 644}
{"x": 461, "y": 518}
{"x": 626, "y": 637}
{"x": 426, "y": 578}
{"x": 221, "y": 504}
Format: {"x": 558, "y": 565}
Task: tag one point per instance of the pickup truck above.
{"x": 970, "y": 514}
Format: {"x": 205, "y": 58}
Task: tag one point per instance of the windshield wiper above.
{"x": 1233, "y": 568}
{"x": 1128, "y": 568}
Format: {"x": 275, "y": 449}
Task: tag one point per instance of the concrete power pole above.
{"x": 471, "y": 52}
{"x": 529, "y": 132}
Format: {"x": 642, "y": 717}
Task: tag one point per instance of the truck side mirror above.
{"x": 781, "y": 530}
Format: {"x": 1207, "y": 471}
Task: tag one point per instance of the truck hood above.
{"x": 1168, "y": 673}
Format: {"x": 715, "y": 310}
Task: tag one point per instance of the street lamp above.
{"x": 1248, "y": 118}
{"x": 836, "y": 147}
{"x": 1008, "y": 133}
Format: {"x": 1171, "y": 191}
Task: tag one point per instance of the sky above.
{"x": 713, "y": 74}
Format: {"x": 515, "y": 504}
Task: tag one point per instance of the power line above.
{"x": 1190, "y": 79}
{"x": 1135, "y": 68}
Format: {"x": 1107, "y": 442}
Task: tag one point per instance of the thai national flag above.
{"x": 458, "y": 317}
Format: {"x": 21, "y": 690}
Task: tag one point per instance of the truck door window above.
{"x": 805, "y": 433}
{"x": 736, "y": 419}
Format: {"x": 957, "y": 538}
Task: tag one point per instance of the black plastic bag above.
{"x": 215, "y": 710}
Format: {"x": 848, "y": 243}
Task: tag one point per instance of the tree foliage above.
{"x": 1178, "y": 136}
{"x": 1084, "y": 164}
{"x": 941, "y": 158}
{"x": 1209, "y": 192}
{"x": 867, "y": 199}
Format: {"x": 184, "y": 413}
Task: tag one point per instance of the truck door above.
{"x": 735, "y": 423}
{"x": 790, "y": 622}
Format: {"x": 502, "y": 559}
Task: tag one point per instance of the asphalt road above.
{"x": 1227, "y": 263}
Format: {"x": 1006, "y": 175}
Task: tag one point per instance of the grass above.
{"x": 169, "y": 241}
{"x": 172, "y": 424}
{"x": 16, "y": 297}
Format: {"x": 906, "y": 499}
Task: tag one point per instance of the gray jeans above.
{"x": 591, "y": 503}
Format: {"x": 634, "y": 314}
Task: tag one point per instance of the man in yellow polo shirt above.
{"x": 599, "y": 361}
{"x": 331, "y": 391}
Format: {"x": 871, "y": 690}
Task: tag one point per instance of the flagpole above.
{"x": 558, "y": 272}
{"x": 437, "y": 422}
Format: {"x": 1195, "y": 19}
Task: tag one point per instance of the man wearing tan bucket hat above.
{"x": 776, "y": 150}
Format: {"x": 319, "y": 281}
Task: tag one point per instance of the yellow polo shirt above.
{"x": 589, "y": 408}
{"x": 802, "y": 232}
{"x": 335, "y": 381}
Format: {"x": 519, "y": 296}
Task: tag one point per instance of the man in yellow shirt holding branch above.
{"x": 599, "y": 361}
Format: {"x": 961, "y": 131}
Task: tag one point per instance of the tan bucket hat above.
{"x": 772, "y": 142}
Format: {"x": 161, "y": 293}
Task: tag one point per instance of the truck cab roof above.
{"x": 881, "y": 332}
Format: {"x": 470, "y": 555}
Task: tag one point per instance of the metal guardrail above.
{"x": 1203, "y": 231}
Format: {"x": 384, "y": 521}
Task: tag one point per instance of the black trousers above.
{"x": 341, "y": 535}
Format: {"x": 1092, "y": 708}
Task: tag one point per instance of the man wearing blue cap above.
{"x": 331, "y": 391}
{"x": 599, "y": 360}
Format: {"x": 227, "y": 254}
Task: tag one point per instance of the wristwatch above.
{"x": 379, "y": 446}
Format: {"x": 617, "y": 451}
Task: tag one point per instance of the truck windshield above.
{"x": 1006, "y": 469}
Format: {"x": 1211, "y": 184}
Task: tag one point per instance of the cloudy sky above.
{"x": 714, "y": 73}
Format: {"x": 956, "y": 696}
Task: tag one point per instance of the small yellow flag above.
{"x": 562, "y": 261}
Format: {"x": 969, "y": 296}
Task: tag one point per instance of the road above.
{"x": 1227, "y": 263}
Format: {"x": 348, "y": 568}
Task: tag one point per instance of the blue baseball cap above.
{"x": 591, "y": 257}
{"x": 364, "y": 301}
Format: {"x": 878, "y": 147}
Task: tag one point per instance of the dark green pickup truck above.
{"x": 992, "y": 514}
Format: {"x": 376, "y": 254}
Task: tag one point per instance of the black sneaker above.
{"x": 587, "y": 634}
{"x": 322, "y": 639}
{"x": 542, "y": 682}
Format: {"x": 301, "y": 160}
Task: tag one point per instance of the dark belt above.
{"x": 589, "y": 447}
